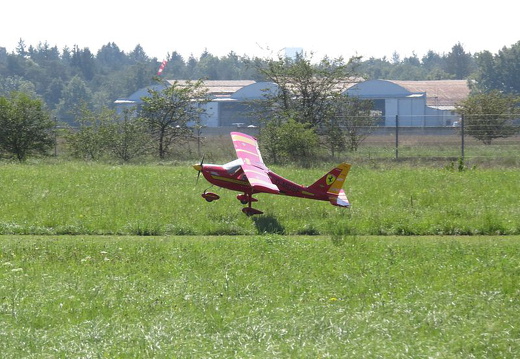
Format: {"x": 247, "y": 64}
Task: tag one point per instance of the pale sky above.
{"x": 371, "y": 28}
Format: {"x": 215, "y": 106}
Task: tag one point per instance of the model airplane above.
{"x": 249, "y": 175}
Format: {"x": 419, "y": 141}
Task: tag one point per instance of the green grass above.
{"x": 396, "y": 199}
{"x": 233, "y": 286}
{"x": 264, "y": 296}
{"x": 432, "y": 149}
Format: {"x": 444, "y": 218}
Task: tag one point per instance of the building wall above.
{"x": 411, "y": 107}
{"x": 392, "y": 99}
{"x": 211, "y": 118}
{"x": 235, "y": 113}
{"x": 439, "y": 118}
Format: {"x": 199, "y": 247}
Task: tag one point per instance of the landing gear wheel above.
{"x": 210, "y": 196}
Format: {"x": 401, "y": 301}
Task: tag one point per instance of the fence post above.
{"x": 462, "y": 137}
{"x": 396, "y": 137}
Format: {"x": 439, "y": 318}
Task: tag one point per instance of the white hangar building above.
{"x": 416, "y": 103}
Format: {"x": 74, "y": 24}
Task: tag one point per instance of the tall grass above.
{"x": 79, "y": 198}
{"x": 259, "y": 297}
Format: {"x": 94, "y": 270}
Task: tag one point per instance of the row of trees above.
{"x": 62, "y": 78}
{"x": 306, "y": 109}
{"x": 26, "y": 127}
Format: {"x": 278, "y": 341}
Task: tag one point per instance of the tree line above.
{"x": 64, "y": 77}
{"x": 305, "y": 111}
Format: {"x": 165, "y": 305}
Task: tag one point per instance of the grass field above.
{"x": 83, "y": 198}
{"x": 112, "y": 261}
{"x": 266, "y": 296}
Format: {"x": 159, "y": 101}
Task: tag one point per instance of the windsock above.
{"x": 161, "y": 68}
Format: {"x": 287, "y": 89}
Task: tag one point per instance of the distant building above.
{"x": 417, "y": 103}
{"x": 228, "y": 105}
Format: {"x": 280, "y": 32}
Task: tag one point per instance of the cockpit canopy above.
{"x": 233, "y": 166}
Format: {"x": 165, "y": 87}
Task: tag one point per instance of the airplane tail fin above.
{"x": 332, "y": 185}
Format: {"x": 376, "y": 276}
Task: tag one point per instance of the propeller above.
{"x": 199, "y": 169}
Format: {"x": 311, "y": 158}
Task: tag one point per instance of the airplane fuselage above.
{"x": 237, "y": 181}
{"x": 249, "y": 175}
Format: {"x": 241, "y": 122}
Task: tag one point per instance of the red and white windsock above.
{"x": 161, "y": 68}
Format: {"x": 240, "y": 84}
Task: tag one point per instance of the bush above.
{"x": 289, "y": 141}
{"x": 25, "y": 126}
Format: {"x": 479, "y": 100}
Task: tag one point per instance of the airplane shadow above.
{"x": 268, "y": 224}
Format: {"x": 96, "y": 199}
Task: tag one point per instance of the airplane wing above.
{"x": 256, "y": 171}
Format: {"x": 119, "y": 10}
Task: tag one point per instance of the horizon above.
{"x": 289, "y": 50}
{"x": 377, "y": 29}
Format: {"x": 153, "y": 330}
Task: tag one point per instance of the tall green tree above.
{"x": 53, "y": 93}
{"x": 500, "y": 71}
{"x": 169, "y": 110}
{"x": 76, "y": 94}
{"x": 110, "y": 57}
{"x": 488, "y": 116}
{"x": 459, "y": 63}
{"x": 21, "y": 48}
{"x": 373, "y": 69}
{"x": 306, "y": 89}
{"x": 138, "y": 55}
{"x": 83, "y": 62}
{"x": 207, "y": 66}
{"x": 306, "y": 93}
{"x": 25, "y": 126}
{"x": 176, "y": 67}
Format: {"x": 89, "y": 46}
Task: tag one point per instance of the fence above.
{"x": 463, "y": 138}
{"x": 474, "y": 139}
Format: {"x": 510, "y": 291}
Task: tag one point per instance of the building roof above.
{"x": 221, "y": 87}
{"x": 438, "y": 92}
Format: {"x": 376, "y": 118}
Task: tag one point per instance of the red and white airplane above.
{"x": 248, "y": 174}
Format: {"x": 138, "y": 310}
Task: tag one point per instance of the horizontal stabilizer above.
{"x": 340, "y": 200}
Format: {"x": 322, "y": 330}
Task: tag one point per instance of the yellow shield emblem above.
{"x": 331, "y": 179}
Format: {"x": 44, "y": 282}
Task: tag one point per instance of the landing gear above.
{"x": 210, "y": 196}
{"x": 247, "y": 198}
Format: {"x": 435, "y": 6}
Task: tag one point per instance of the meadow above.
{"x": 89, "y": 198}
{"x": 128, "y": 261}
{"x": 259, "y": 296}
